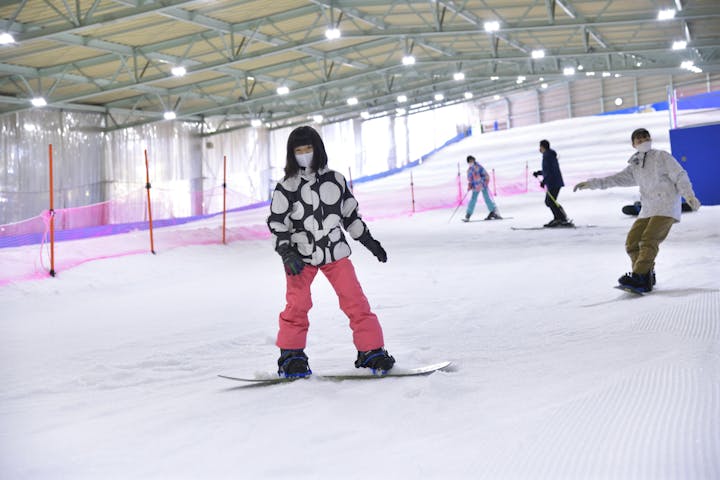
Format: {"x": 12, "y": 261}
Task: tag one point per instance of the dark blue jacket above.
{"x": 551, "y": 170}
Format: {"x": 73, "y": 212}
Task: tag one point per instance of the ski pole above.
{"x": 458, "y": 207}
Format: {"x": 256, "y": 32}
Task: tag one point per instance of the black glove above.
{"x": 374, "y": 246}
{"x": 537, "y": 173}
{"x": 291, "y": 259}
{"x": 542, "y": 184}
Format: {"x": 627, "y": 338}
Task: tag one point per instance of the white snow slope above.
{"x": 109, "y": 370}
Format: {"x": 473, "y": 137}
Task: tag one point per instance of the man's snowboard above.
{"x": 363, "y": 374}
{"x": 629, "y": 289}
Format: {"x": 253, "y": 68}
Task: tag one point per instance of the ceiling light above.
{"x": 496, "y": 97}
{"x": 538, "y": 53}
{"x": 679, "y": 45}
{"x": 638, "y": 64}
{"x": 494, "y": 78}
{"x": 332, "y": 33}
{"x": 589, "y": 74}
{"x": 492, "y": 26}
{"x": 38, "y": 102}
{"x": 543, "y": 85}
{"x": 468, "y": 95}
{"x": 687, "y": 64}
{"x": 617, "y": 75}
{"x": 6, "y": 39}
{"x": 568, "y": 71}
{"x": 542, "y": 79}
{"x": 408, "y": 60}
{"x": 606, "y": 74}
{"x": 439, "y": 97}
{"x": 352, "y": 101}
{"x": 256, "y": 122}
{"x": 365, "y": 115}
{"x": 317, "y": 118}
{"x": 402, "y": 98}
{"x": 666, "y": 14}
{"x": 169, "y": 115}
{"x": 618, "y": 101}
{"x": 178, "y": 71}
{"x": 581, "y": 68}
{"x": 459, "y": 76}
{"x": 400, "y": 111}
{"x": 283, "y": 90}
{"x": 520, "y": 79}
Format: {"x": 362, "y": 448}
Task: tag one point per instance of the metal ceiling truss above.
{"x": 234, "y": 68}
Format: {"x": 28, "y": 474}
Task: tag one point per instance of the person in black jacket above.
{"x": 552, "y": 182}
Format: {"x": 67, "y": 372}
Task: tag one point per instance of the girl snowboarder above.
{"x": 308, "y": 208}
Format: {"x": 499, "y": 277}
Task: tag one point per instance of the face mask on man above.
{"x": 644, "y": 147}
{"x": 304, "y": 159}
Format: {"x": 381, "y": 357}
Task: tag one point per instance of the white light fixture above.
{"x": 251, "y": 79}
{"x": 352, "y": 101}
{"x": 606, "y": 74}
{"x": 520, "y": 79}
{"x": 256, "y": 122}
{"x": 459, "y": 76}
{"x": 581, "y": 68}
{"x": 408, "y": 60}
{"x": 617, "y": 75}
{"x": 178, "y": 71}
{"x": 618, "y": 101}
{"x": 666, "y": 14}
{"x": 496, "y": 97}
{"x": 332, "y": 33}
{"x": 679, "y": 45}
{"x": 402, "y": 98}
{"x": 494, "y": 78}
{"x": 690, "y": 65}
{"x": 568, "y": 71}
{"x": 492, "y": 26}
{"x": 365, "y": 115}
{"x": 543, "y": 85}
{"x": 6, "y": 39}
{"x": 542, "y": 79}
{"x": 638, "y": 64}
{"x": 468, "y": 95}
{"x": 589, "y": 74}
{"x": 439, "y": 97}
{"x": 538, "y": 53}
{"x": 169, "y": 115}
{"x": 317, "y": 118}
{"x": 283, "y": 90}
{"x": 400, "y": 111}
{"x": 38, "y": 102}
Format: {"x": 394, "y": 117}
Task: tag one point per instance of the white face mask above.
{"x": 304, "y": 159}
{"x": 644, "y": 147}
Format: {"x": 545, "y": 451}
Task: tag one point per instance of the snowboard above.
{"x": 364, "y": 374}
{"x": 629, "y": 289}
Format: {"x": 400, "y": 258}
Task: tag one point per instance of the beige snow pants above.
{"x": 643, "y": 241}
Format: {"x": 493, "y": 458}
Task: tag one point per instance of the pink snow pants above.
{"x": 294, "y": 323}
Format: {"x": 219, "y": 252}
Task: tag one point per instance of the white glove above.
{"x": 581, "y": 186}
{"x": 694, "y": 203}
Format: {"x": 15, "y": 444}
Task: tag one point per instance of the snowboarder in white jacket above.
{"x": 662, "y": 182}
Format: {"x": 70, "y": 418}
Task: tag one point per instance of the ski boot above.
{"x": 552, "y": 223}
{"x": 466, "y": 219}
{"x": 293, "y": 364}
{"x": 378, "y": 360}
{"x": 493, "y": 216}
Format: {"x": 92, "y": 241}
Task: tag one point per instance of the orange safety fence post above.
{"x": 412, "y": 191}
{"x": 147, "y": 186}
{"x": 224, "y": 185}
{"x": 52, "y": 215}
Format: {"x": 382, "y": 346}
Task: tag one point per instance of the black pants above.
{"x": 557, "y": 209}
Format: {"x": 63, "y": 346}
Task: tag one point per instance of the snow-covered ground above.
{"x": 109, "y": 370}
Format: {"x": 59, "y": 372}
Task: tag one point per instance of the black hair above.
{"x": 470, "y": 158}
{"x": 638, "y": 134}
{"x": 545, "y": 144}
{"x": 299, "y": 137}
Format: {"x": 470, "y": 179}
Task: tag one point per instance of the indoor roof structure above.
{"x": 280, "y": 62}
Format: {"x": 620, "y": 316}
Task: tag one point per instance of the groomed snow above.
{"x": 109, "y": 370}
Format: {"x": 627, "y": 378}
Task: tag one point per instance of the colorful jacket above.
{"x": 661, "y": 180}
{"x": 309, "y": 211}
{"x": 478, "y": 178}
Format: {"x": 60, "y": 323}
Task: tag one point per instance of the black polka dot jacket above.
{"x": 308, "y": 210}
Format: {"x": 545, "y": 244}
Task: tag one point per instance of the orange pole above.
{"x": 147, "y": 186}
{"x": 52, "y": 215}
{"x": 412, "y": 191}
{"x": 224, "y": 194}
